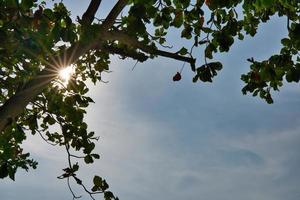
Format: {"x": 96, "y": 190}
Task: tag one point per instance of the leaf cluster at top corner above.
{"x": 162, "y": 14}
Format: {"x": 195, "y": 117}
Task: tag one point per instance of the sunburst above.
{"x": 65, "y": 74}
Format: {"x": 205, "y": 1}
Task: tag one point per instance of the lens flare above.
{"x": 66, "y": 73}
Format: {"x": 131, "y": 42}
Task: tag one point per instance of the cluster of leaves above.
{"x": 269, "y": 74}
{"x": 28, "y": 34}
{"x": 218, "y": 33}
{"x": 100, "y": 185}
{"x": 32, "y": 34}
{"x": 207, "y": 71}
{"x": 11, "y": 154}
{"x": 17, "y": 22}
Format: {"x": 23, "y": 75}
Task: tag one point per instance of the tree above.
{"x": 39, "y": 40}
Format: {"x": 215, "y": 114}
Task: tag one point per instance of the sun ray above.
{"x": 66, "y": 73}
{"x": 28, "y": 90}
{"x": 56, "y": 66}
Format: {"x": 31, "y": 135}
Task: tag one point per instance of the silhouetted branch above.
{"x": 123, "y": 38}
{"x": 89, "y": 15}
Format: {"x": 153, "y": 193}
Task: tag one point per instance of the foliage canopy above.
{"x": 38, "y": 39}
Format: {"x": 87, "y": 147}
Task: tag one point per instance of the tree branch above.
{"x": 123, "y": 52}
{"x": 16, "y": 104}
{"x": 89, "y": 15}
{"x": 114, "y": 13}
{"x": 133, "y": 42}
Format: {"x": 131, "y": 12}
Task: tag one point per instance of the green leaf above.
{"x": 95, "y": 188}
{"x": 285, "y": 41}
{"x": 183, "y": 51}
{"x": 3, "y": 170}
{"x": 96, "y": 156}
{"x": 75, "y": 167}
{"x": 50, "y": 15}
{"x": 206, "y": 30}
{"x": 88, "y": 159}
{"x": 215, "y": 65}
{"x": 178, "y": 20}
{"x": 97, "y": 181}
{"x": 187, "y": 32}
{"x": 104, "y": 185}
{"x": 11, "y": 173}
{"x": 108, "y": 195}
{"x": 289, "y": 76}
{"x": 240, "y": 36}
{"x": 267, "y": 3}
{"x": 269, "y": 99}
{"x": 209, "y": 50}
{"x": 26, "y": 4}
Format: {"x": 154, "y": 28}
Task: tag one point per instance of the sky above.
{"x": 168, "y": 140}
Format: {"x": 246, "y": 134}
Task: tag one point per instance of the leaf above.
{"x": 88, "y": 159}
{"x": 11, "y": 173}
{"x": 108, "y": 195}
{"x": 97, "y": 181}
{"x": 206, "y": 30}
{"x": 104, "y": 185}
{"x": 178, "y": 20}
{"x": 267, "y": 3}
{"x": 50, "y": 120}
{"x": 195, "y": 78}
{"x": 289, "y": 76}
{"x": 32, "y": 122}
{"x": 48, "y": 12}
{"x": 215, "y": 65}
{"x": 183, "y": 51}
{"x": 95, "y": 188}
{"x": 3, "y": 170}
{"x": 187, "y": 32}
{"x": 75, "y": 167}
{"x": 240, "y": 36}
{"x": 96, "y": 156}
{"x": 269, "y": 99}
{"x": 209, "y": 50}
{"x": 26, "y": 4}
{"x": 285, "y": 41}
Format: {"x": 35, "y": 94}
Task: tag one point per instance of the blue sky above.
{"x": 165, "y": 140}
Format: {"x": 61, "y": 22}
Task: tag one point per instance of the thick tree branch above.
{"x": 123, "y": 38}
{"x": 16, "y": 104}
{"x": 123, "y": 52}
{"x": 89, "y": 15}
{"x": 114, "y": 13}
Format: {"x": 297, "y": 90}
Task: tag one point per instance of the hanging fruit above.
{"x": 177, "y": 77}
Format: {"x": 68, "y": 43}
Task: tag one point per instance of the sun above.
{"x": 66, "y": 73}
